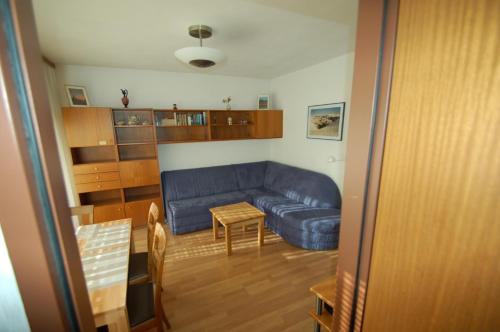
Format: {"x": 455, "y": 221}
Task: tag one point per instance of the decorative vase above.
{"x": 125, "y": 100}
{"x": 228, "y": 107}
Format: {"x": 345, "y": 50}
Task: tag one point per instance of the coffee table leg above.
{"x": 215, "y": 227}
{"x": 261, "y": 232}
{"x": 227, "y": 230}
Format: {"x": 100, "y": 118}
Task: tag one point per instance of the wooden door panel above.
{"x": 108, "y": 212}
{"x": 104, "y": 127}
{"x": 80, "y": 124}
{"x": 139, "y": 173}
{"x": 138, "y": 211}
{"x": 434, "y": 264}
{"x": 268, "y": 124}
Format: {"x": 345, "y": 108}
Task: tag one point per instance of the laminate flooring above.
{"x": 252, "y": 290}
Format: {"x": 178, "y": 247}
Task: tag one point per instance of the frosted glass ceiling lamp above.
{"x": 199, "y": 56}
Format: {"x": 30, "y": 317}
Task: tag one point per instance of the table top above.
{"x": 104, "y": 251}
{"x": 234, "y": 213}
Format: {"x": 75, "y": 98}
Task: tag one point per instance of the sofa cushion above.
{"x": 189, "y": 183}
{"x": 269, "y": 201}
{"x": 311, "y": 188}
{"x": 250, "y": 175}
{"x": 325, "y": 221}
{"x": 257, "y": 192}
{"x": 200, "y": 205}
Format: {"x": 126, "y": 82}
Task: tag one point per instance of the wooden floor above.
{"x": 252, "y": 290}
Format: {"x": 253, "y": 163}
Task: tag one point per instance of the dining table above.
{"x": 104, "y": 250}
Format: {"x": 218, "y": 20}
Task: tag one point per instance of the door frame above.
{"x": 34, "y": 211}
{"x": 373, "y": 64}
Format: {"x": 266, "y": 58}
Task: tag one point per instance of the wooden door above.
{"x": 139, "y": 173}
{"x": 108, "y": 212}
{"x": 138, "y": 211}
{"x": 269, "y": 124}
{"x": 88, "y": 126}
{"x": 435, "y": 265}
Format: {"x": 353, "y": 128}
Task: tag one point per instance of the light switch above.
{"x": 331, "y": 159}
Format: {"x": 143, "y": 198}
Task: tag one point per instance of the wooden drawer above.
{"x": 139, "y": 173}
{"x": 138, "y": 211}
{"x": 108, "y": 212}
{"x": 96, "y": 177}
{"x": 98, "y": 186}
{"x": 95, "y": 168}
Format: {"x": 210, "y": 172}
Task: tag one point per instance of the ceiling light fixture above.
{"x": 199, "y": 56}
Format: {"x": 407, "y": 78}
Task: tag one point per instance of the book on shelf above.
{"x": 184, "y": 119}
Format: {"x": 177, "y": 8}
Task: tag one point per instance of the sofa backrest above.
{"x": 250, "y": 175}
{"x": 311, "y": 188}
{"x": 189, "y": 183}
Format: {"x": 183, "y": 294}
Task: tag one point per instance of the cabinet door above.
{"x": 88, "y": 126}
{"x": 138, "y": 211}
{"x": 104, "y": 127}
{"x": 80, "y": 123}
{"x": 108, "y": 212}
{"x": 268, "y": 124}
{"x": 139, "y": 173}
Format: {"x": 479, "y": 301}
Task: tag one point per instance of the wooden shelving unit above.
{"x": 324, "y": 293}
{"x": 115, "y": 151}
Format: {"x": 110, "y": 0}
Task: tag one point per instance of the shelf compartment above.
{"x": 325, "y": 319}
{"x": 99, "y": 198}
{"x": 182, "y": 133}
{"x": 142, "y": 193}
{"x": 135, "y": 134}
{"x": 94, "y": 154}
{"x": 137, "y": 152}
{"x": 133, "y": 117}
{"x": 174, "y": 118}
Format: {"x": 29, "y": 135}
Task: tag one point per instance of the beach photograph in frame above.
{"x": 77, "y": 96}
{"x": 326, "y": 121}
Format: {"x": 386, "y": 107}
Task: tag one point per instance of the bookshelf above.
{"x": 115, "y": 151}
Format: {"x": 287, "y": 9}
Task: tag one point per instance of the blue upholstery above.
{"x": 301, "y": 206}
{"x": 311, "y": 188}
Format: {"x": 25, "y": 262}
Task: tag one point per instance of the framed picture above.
{"x": 326, "y": 121}
{"x": 77, "y": 95}
{"x": 263, "y": 102}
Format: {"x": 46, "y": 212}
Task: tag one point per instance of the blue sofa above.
{"x": 302, "y": 206}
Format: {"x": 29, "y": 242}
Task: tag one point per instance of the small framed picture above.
{"x": 263, "y": 102}
{"x": 326, "y": 121}
{"x": 77, "y": 96}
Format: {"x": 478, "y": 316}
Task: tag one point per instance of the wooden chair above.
{"x": 85, "y": 214}
{"x": 144, "y": 307}
{"x": 139, "y": 270}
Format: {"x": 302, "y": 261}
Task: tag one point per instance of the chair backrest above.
{"x": 153, "y": 215}
{"x": 158, "y": 257}
{"x": 85, "y": 214}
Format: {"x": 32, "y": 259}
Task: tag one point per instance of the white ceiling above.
{"x": 261, "y": 38}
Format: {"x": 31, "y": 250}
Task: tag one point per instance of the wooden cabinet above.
{"x": 138, "y": 210}
{"x": 268, "y": 124}
{"x": 139, "y": 173}
{"x": 88, "y": 126}
{"x": 108, "y": 212}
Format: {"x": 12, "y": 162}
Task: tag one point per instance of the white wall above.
{"x": 323, "y": 83}
{"x": 160, "y": 89}
{"x": 327, "y": 82}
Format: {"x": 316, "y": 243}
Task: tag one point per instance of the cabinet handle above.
{"x": 96, "y": 168}
{"x": 98, "y": 186}
{"x": 97, "y": 177}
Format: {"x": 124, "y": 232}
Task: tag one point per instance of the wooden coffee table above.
{"x": 241, "y": 214}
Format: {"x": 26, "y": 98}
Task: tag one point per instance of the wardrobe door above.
{"x": 434, "y": 264}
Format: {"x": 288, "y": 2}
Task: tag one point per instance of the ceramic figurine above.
{"x": 125, "y": 100}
